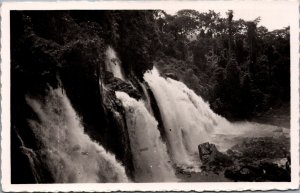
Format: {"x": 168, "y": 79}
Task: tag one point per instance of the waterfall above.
{"x": 69, "y": 153}
{"x": 147, "y": 99}
{"x": 189, "y": 121}
{"x": 113, "y": 64}
{"x": 151, "y": 160}
{"x": 186, "y": 126}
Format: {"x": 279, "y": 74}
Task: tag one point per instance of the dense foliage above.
{"x": 240, "y": 68}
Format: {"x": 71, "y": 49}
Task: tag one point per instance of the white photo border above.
{"x": 291, "y": 8}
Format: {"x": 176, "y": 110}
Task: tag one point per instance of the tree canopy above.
{"x": 244, "y": 66}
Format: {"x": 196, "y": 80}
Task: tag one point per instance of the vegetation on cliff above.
{"x": 240, "y": 68}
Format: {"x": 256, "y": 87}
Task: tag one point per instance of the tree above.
{"x": 230, "y": 31}
{"x": 239, "y": 56}
{"x": 252, "y": 44}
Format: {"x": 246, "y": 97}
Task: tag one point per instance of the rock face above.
{"x": 66, "y": 49}
{"x": 171, "y": 75}
{"x": 117, "y": 84}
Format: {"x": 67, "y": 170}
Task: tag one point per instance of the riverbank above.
{"x": 278, "y": 117}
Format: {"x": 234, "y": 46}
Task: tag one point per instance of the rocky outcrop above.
{"x": 117, "y": 84}
{"x": 59, "y": 49}
{"x": 264, "y": 170}
{"x": 212, "y": 159}
{"x": 260, "y": 159}
{"x": 171, "y": 75}
{"x": 116, "y": 129}
{"x": 252, "y": 159}
{"x": 261, "y": 148}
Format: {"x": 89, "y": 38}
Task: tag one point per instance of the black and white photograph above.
{"x": 151, "y": 95}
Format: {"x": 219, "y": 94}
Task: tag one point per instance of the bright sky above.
{"x": 276, "y": 18}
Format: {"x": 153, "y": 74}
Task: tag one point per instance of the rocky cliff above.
{"x": 66, "y": 49}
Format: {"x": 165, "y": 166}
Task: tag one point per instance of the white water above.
{"x": 147, "y": 99}
{"x": 189, "y": 121}
{"x": 151, "y": 161}
{"x": 186, "y": 126}
{"x": 69, "y": 153}
{"x": 113, "y": 64}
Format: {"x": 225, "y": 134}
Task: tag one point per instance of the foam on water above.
{"x": 189, "y": 121}
{"x": 151, "y": 161}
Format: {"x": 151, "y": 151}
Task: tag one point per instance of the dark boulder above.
{"x": 273, "y": 172}
{"x": 247, "y": 173}
{"x": 260, "y": 159}
{"x": 212, "y": 159}
{"x": 258, "y": 171}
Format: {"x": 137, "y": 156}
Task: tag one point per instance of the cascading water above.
{"x": 185, "y": 127}
{"x": 151, "y": 160}
{"x": 189, "y": 121}
{"x": 69, "y": 153}
{"x": 147, "y": 99}
{"x": 113, "y": 64}
{"x": 71, "y": 156}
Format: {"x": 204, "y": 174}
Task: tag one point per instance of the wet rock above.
{"x": 252, "y": 159}
{"x": 244, "y": 173}
{"x": 274, "y": 172}
{"x": 171, "y": 75}
{"x": 235, "y": 154}
{"x": 212, "y": 159}
{"x": 260, "y": 159}
{"x": 207, "y": 152}
{"x": 258, "y": 171}
{"x": 117, "y": 84}
{"x": 263, "y": 147}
